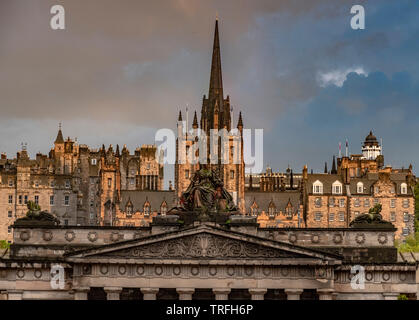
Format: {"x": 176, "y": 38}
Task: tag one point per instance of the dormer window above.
{"x": 254, "y": 209}
{"x": 147, "y": 209}
{"x": 271, "y": 209}
{"x": 337, "y": 187}
{"x": 403, "y": 188}
{"x": 163, "y": 208}
{"x": 359, "y": 187}
{"x": 317, "y": 187}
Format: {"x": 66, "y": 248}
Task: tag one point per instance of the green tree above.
{"x": 417, "y": 207}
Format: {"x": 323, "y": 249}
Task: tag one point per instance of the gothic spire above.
{"x": 216, "y": 81}
{"x": 180, "y": 116}
{"x": 325, "y": 167}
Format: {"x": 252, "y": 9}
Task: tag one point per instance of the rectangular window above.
{"x": 20, "y": 199}
{"x": 109, "y": 182}
{"x": 187, "y": 174}
{"x": 10, "y": 183}
{"x": 376, "y": 201}
{"x": 66, "y": 200}
{"x": 318, "y": 216}
{"x": 406, "y": 231}
{"x": 52, "y": 184}
{"x": 406, "y": 203}
{"x": 231, "y": 174}
{"x": 356, "y": 213}
{"x": 367, "y": 203}
{"x": 132, "y": 181}
{"x": 26, "y": 199}
{"x": 331, "y": 217}
{"x": 9, "y": 229}
{"x": 67, "y": 184}
{"x": 51, "y": 200}
{"x": 341, "y": 216}
{"x": 392, "y": 216}
{"x": 94, "y": 162}
{"x": 37, "y": 199}
{"x": 10, "y": 199}
{"x": 357, "y": 202}
{"x": 318, "y": 202}
{"x": 341, "y": 203}
{"x": 406, "y": 217}
{"x": 66, "y": 222}
{"x": 331, "y": 202}
{"x": 392, "y": 203}
{"x": 9, "y": 214}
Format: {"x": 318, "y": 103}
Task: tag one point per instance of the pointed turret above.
{"x": 195, "y": 121}
{"x": 117, "y": 151}
{"x": 325, "y": 167}
{"x": 240, "y": 122}
{"x": 180, "y": 116}
{"x": 59, "y": 138}
{"x": 334, "y": 171}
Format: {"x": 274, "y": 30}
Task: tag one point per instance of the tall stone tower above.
{"x": 215, "y": 115}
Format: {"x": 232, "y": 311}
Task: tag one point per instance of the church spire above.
{"x": 180, "y": 116}
{"x": 216, "y": 81}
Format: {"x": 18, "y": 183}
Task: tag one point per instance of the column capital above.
{"x": 293, "y": 294}
{"x": 185, "y": 293}
{"x": 112, "y": 289}
{"x": 293, "y": 291}
{"x": 257, "y": 291}
{"x": 149, "y": 290}
{"x": 325, "y": 293}
{"x": 221, "y": 290}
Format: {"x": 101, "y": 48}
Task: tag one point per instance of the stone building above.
{"x": 357, "y": 184}
{"x": 215, "y": 115}
{"x": 81, "y": 186}
{"x": 168, "y": 260}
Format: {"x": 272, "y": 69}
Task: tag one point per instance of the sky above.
{"x": 122, "y": 70}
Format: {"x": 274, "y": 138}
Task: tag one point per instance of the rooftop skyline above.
{"x": 296, "y": 69}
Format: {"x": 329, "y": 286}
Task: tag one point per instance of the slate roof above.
{"x": 155, "y": 198}
{"x": 280, "y": 199}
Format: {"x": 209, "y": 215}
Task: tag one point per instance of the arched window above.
{"x": 337, "y": 187}
{"x": 317, "y": 187}
{"x": 360, "y": 187}
{"x": 403, "y": 188}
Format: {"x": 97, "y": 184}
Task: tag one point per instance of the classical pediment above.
{"x": 202, "y": 242}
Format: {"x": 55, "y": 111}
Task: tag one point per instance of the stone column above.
{"x": 185, "y": 293}
{"x": 257, "y": 293}
{"x": 149, "y": 293}
{"x": 325, "y": 294}
{"x": 81, "y": 293}
{"x": 112, "y": 293}
{"x": 221, "y": 293}
{"x": 390, "y": 295}
{"x": 293, "y": 294}
{"x": 14, "y": 294}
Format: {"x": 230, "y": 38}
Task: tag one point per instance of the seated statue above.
{"x": 372, "y": 217}
{"x": 206, "y": 194}
{"x": 35, "y": 215}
